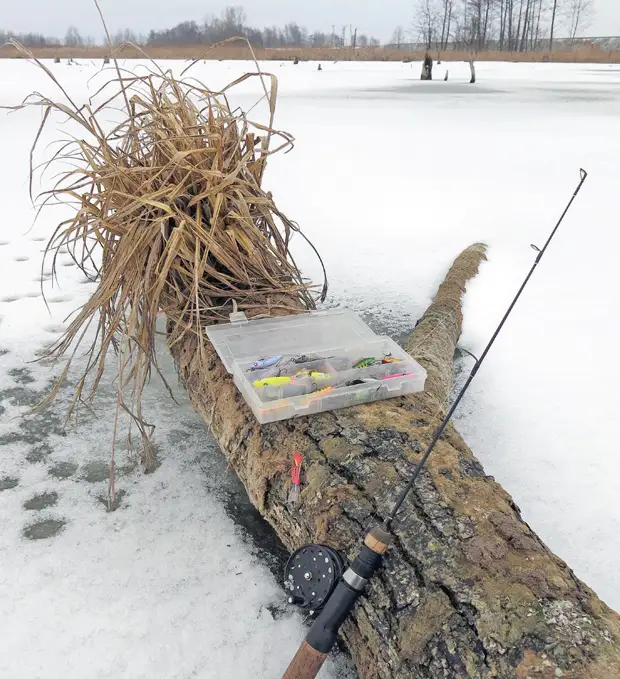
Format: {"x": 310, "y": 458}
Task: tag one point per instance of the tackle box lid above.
{"x": 304, "y": 333}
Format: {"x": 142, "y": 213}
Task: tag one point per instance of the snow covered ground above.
{"x": 390, "y": 178}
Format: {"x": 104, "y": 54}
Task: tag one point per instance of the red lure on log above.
{"x": 296, "y": 467}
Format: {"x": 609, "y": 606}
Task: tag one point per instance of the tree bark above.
{"x": 467, "y": 589}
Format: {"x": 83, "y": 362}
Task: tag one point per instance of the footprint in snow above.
{"x": 54, "y": 329}
{"x": 42, "y": 501}
{"x": 8, "y": 483}
{"x": 5, "y": 242}
{"x": 21, "y": 259}
{"x": 21, "y": 375}
{"x": 58, "y": 300}
{"x": 44, "y": 529}
{"x": 95, "y": 472}
{"x": 39, "y": 453}
{"x": 38, "y": 239}
{"x": 62, "y": 470}
{"x": 16, "y": 298}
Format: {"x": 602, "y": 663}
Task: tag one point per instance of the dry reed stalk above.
{"x": 169, "y": 216}
{"x": 577, "y": 54}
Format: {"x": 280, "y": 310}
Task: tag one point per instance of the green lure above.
{"x": 365, "y": 363}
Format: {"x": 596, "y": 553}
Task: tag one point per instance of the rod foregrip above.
{"x": 306, "y": 664}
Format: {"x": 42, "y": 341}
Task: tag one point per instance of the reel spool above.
{"x": 311, "y": 575}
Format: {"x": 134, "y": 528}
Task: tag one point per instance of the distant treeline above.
{"x": 463, "y": 25}
{"x": 30, "y": 39}
{"x": 232, "y": 22}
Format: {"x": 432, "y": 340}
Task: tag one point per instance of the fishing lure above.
{"x": 311, "y": 373}
{"x": 296, "y": 467}
{"x": 391, "y": 359}
{"x": 263, "y": 363}
{"x": 308, "y": 358}
{"x": 391, "y": 377}
{"x": 271, "y": 381}
{"x": 364, "y": 380}
{"x": 365, "y": 363}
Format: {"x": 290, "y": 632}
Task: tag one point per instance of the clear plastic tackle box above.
{"x": 291, "y": 366}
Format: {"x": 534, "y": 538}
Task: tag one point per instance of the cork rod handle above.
{"x": 306, "y": 664}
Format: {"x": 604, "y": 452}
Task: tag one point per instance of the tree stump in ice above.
{"x": 472, "y": 68}
{"x": 427, "y": 68}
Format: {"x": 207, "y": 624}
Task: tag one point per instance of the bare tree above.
{"x": 502, "y": 23}
{"x": 480, "y": 22}
{"x": 426, "y": 22}
{"x": 295, "y": 35}
{"x": 234, "y": 18}
{"x": 398, "y": 37}
{"x": 527, "y": 17}
{"x": 579, "y": 15}
{"x": 125, "y": 35}
{"x": 447, "y": 7}
{"x": 537, "y": 33}
{"x": 73, "y": 37}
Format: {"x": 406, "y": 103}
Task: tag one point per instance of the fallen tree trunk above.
{"x": 467, "y": 589}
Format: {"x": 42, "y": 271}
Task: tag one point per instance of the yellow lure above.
{"x": 270, "y": 381}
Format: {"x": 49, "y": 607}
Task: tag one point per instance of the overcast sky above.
{"x": 374, "y": 17}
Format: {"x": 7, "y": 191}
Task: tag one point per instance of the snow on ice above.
{"x": 390, "y": 178}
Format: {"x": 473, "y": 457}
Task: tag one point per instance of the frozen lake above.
{"x": 390, "y": 178}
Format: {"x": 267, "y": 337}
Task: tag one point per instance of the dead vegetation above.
{"x": 580, "y": 54}
{"x": 169, "y": 217}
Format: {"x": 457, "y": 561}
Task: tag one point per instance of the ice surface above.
{"x": 170, "y": 585}
{"x": 390, "y": 178}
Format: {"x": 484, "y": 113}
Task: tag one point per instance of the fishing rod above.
{"x": 315, "y": 574}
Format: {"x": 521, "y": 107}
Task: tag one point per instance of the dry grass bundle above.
{"x": 169, "y": 217}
